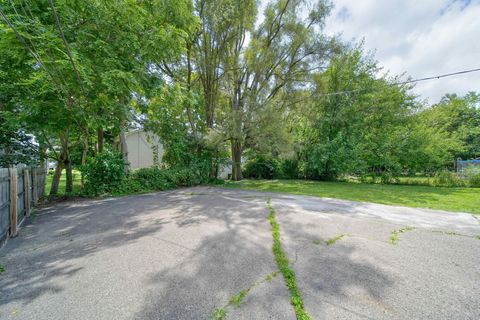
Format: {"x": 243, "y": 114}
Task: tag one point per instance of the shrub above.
{"x": 447, "y": 179}
{"x": 103, "y": 173}
{"x": 262, "y": 167}
{"x": 289, "y": 169}
{"x": 156, "y": 179}
{"x": 153, "y": 178}
{"x": 474, "y": 180}
{"x": 388, "y": 178}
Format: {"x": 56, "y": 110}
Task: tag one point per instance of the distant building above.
{"x": 144, "y": 149}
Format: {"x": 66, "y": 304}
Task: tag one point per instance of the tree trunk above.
{"x": 69, "y": 176}
{"x": 100, "y": 140}
{"x": 236, "y": 160}
{"x": 56, "y": 179}
{"x": 69, "y": 173}
{"x": 84, "y": 160}
{"x": 124, "y": 150}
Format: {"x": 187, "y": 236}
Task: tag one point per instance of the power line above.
{"x": 440, "y": 76}
{"x": 406, "y": 82}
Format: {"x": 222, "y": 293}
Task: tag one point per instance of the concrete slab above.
{"x": 181, "y": 254}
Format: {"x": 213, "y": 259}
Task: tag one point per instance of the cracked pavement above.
{"x": 181, "y": 254}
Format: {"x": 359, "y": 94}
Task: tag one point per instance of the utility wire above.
{"x": 440, "y": 76}
{"x": 405, "y": 82}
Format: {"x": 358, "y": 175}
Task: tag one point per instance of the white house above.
{"x": 144, "y": 149}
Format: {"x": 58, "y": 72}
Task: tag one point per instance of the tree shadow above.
{"x": 225, "y": 234}
{"x": 193, "y": 289}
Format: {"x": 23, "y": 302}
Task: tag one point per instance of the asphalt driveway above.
{"x": 183, "y": 254}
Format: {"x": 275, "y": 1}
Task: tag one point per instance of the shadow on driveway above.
{"x": 168, "y": 255}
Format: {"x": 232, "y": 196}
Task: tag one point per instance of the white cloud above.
{"x": 422, "y": 38}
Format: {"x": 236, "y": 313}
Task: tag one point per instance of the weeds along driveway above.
{"x": 187, "y": 253}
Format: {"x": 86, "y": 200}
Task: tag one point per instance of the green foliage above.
{"x": 360, "y": 132}
{"x": 156, "y": 179}
{"x": 447, "y": 179}
{"x": 262, "y": 167}
{"x": 289, "y": 168}
{"x": 458, "y": 119}
{"x": 103, "y": 173}
{"x": 474, "y": 180}
{"x": 388, "y": 178}
{"x": 267, "y": 167}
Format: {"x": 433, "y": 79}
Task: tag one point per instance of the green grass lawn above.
{"x": 451, "y": 199}
{"x": 77, "y": 185}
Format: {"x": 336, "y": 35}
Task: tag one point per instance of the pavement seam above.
{"x": 284, "y": 266}
{"x": 178, "y": 245}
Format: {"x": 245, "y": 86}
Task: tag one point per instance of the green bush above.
{"x": 447, "y": 179}
{"x": 103, "y": 173}
{"x": 153, "y": 178}
{"x": 156, "y": 179}
{"x": 289, "y": 169}
{"x": 262, "y": 167}
{"x": 474, "y": 180}
{"x": 388, "y": 178}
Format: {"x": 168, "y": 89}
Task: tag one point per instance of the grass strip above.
{"x": 284, "y": 267}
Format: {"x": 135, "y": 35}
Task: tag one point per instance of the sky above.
{"x": 419, "y": 37}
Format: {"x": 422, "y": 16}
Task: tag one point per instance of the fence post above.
{"x": 13, "y": 201}
{"x": 34, "y": 185}
{"x": 26, "y": 191}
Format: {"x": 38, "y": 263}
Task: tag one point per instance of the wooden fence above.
{"x": 20, "y": 189}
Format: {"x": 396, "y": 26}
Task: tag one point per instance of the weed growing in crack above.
{"x": 394, "y": 238}
{"x": 334, "y": 239}
{"x": 271, "y": 276}
{"x": 283, "y": 265}
{"x": 478, "y": 237}
{"x": 2, "y": 269}
{"x": 236, "y": 300}
{"x": 219, "y": 314}
{"x": 317, "y": 241}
